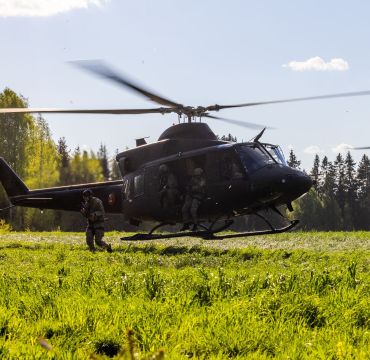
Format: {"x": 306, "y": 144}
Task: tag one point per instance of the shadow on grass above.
{"x": 171, "y": 250}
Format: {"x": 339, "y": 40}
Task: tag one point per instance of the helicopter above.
{"x": 241, "y": 178}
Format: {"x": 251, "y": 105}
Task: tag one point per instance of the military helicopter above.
{"x": 241, "y": 178}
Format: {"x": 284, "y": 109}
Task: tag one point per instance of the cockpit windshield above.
{"x": 276, "y": 153}
{"x": 253, "y": 157}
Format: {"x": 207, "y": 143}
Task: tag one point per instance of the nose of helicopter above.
{"x": 283, "y": 184}
{"x": 296, "y": 183}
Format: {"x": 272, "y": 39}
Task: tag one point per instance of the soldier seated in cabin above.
{"x": 168, "y": 187}
{"x": 195, "y": 194}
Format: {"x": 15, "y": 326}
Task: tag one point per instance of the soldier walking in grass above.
{"x": 93, "y": 210}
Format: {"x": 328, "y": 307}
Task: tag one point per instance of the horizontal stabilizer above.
{"x": 12, "y": 184}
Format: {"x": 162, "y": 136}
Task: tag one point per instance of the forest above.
{"x": 339, "y": 200}
{"x": 26, "y": 144}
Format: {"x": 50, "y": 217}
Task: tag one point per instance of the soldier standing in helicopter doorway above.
{"x": 93, "y": 210}
{"x": 195, "y": 194}
{"x": 168, "y": 187}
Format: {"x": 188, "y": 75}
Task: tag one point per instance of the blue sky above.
{"x": 197, "y": 53}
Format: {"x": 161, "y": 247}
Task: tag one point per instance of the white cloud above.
{"x": 342, "y": 148}
{"x": 290, "y": 147}
{"x": 318, "y": 64}
{"x": 10, "y": 8}
{"x": 313, "y": 150}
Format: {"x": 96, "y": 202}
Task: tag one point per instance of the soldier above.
{"x": 195, "y": 194}
{"x": 168, "y": 187}
{"x": 93, "y": 210}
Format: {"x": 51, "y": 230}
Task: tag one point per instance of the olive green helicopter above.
{"x": 247, "y": 178}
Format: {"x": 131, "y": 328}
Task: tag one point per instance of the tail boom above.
{"x": 58, "y": 198}
{"x": 12, "y": 184}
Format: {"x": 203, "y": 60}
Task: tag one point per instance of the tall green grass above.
{"x": 195, "y": 299}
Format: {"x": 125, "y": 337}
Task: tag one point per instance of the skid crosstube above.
{"x": 207, "y": 235}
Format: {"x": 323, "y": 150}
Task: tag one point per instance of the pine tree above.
{"x": 104, "y": 162}
{"x": 363, "y": 193}
{"x": 350, "y": 186}
{"x": 293, "y": 161}
{"x": 331, "y": 211}
{"x": 228, "y": 137}
{"x": 340, "y": 191}
{"x": 328, "y": 178}
{"x": 315, "y": 173}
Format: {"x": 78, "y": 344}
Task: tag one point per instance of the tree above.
{"x": 42, "y": 170}
{"x": 229, "y": 137}
{"x": 85, "y": 167}
{"x": 293, "y": 161}
{"x": 340, "y": 191}
{"x": 310, "y": 210}
{"x": 26, "y": 144}
{"x": 363, "y": 193}
{"x": 315, "y": 173}
{"x": 331, "y": 210}
{"x": 14, "y": 132}
{"x": 350, "y": 188}
{"x": 65, "y": 159}
{"x": 104, "y": 162}
{"x": 116, "y": 174}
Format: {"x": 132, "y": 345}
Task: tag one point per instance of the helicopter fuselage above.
{"x": 241, "y": 178}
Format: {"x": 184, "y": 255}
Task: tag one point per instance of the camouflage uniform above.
{"x": 168, "y": 188}
{"x": 93, "y": 210}
{"x": 194, "y": 196}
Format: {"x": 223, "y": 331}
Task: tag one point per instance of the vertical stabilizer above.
{"x": 12, "y": 184}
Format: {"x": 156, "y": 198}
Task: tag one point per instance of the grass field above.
{"x": 288, "y": 296}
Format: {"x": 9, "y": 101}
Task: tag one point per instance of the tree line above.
{"x": 340, "y": 197}
{"x": 26, "y": 144}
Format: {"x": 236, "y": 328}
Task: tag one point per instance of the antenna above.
{"x": 259, "y": 135}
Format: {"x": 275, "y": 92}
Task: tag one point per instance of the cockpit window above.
{"x": 253, "y": 158}
{"x": 276, "y": 153}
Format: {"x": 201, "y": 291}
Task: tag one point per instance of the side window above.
{"x": 151, "y": 181}
{"x": 229, "y": 167}
{"x": 138, "y": 185}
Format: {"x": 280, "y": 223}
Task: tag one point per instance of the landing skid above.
{"x": 292, "y": 224}
{"x": 209, "y": 234}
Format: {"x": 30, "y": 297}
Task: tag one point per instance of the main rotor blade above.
{"x": 361, "y": 148}
{"x": 101, "y": 69}
{"x": 84, "y": 111}
{"x": 329, "y": 96}
{"x": 246, "y": 124}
